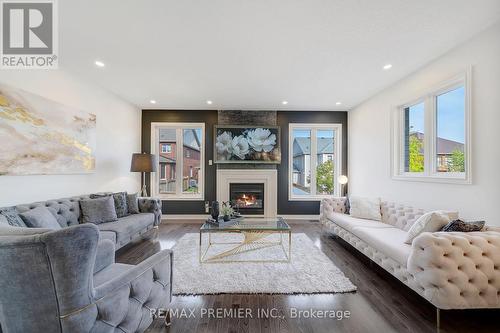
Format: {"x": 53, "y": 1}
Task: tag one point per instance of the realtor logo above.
{"x": 29, "y": 36}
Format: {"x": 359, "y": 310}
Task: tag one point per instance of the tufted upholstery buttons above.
{"x": 451, "y": 270}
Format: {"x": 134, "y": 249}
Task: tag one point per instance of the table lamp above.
{"x": 143, "y": 163}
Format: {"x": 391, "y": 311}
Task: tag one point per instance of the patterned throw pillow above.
{"x": 12, "y": 217}
{"x": 120, "y": 199}
{"x": 340, "y": 205}
{"x": 121, "y": 204}
{"x": 133, "y": 203}
{"x": 462, "y": 226}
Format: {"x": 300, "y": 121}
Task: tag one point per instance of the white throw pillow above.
{"x": 429, "y": 222}
{"x": 365, "y": 208}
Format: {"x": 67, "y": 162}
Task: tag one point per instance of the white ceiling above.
{"x": 253, "y": 54}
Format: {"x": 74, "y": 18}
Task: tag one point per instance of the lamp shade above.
{"x": 343, "y": 179}
{"x": 143, "y": 163}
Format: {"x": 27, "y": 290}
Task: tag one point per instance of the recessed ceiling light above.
{"x": 152, "y": 101}
{"x": 99, "y": 63}
{"x": 338, "y": 103}
{"x": 209, "y": 102}
{"x": 387, "y": 66}
{"x": 284, "y": 102}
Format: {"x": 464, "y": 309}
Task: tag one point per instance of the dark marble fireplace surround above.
{"x": 251, "y": 118}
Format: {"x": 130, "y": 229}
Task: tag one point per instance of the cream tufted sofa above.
{"x": 452, "y": 270}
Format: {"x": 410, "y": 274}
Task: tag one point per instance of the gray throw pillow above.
{"x": 98, "y": 210}
{"x": 12, "y": 217}
{"x": 133, "y": 203}
{"x": 40, "y": 217}
{"x": 120, "y": 199}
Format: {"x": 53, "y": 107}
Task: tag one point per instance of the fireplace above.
{"x": 247, "y": 197}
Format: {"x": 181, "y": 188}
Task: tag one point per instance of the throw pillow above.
{"x": 12, "y": 217}
{"x": 133, "y": 203}
{"x": 3, "y": 220}
{"x": 462, "y": 226}
{"x": 340, "y": 205}
{"x": 365, "y": 208}
{"x": 121, "y": 207}
{"x": 120, "y": 199}
{"x": 40, "y": 217}
{"x": 429, "y": 222}
{"x": 98, "y": 210}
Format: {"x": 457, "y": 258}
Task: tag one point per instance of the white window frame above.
{"x": 430, "y": 173}
{"x": 179, "y": 195}
{"x": 337, "y": 128}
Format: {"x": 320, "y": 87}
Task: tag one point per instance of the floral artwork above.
{"x": 45, "y": 137}
{"x": 247, "y": 145}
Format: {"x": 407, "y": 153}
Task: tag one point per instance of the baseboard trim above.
{"x": 184, "y": 217}
{"x": 300, "y": 217}
{"x": 188, "y": 218}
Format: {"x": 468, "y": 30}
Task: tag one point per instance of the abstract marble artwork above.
{"x": 39, "y": 136}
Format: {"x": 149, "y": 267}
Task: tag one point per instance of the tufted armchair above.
{"x": 67, "y": 281}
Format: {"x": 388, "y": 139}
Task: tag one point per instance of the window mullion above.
{"x": 313, "y": 159}
{"x": 178, "y": 167}
{"x": 430, "y": 147}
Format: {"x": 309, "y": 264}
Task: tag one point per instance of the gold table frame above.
{"x": 253, "y": 239}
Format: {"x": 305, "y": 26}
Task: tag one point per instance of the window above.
{"x": 166, "y": 148}
{"x": 431, "y": 135}
{"x": 315, "y": 160}
{"x": 179, "y": 148}
{"x": 414, "y": 138}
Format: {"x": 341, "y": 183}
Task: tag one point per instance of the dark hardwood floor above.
{"x": 381, "y": 303}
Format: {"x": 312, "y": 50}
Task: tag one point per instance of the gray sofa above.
{"x": 121, "y": 232}
{"x": 67, "y": 281}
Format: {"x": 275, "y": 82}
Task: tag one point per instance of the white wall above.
{"x": 370, "y": 135}
{"x": 118, "y": 136}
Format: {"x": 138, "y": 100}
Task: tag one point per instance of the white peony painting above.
{"x": 241, "y": 144}
{"x": 39, "y": 136}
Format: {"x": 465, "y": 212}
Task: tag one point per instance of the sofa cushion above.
{"x": 98, "y": 210}
{"x": 390, "y": 241}
{"x": 40, "y": 217}
{"x": 129, "y": 226}
{"x": 365, "y": 208}
{"x": 348, "y": 222}
{"x": 12, "y": 217}
{"x": 109, "y": 235}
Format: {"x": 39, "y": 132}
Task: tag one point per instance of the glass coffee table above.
{"x": 257, "y": 235}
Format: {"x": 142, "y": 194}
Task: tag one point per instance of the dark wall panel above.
{"x": 210, "y": 118}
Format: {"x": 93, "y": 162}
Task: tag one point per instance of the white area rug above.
{"x": 310, "y": 271}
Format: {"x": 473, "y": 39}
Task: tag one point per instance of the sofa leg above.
{"x": 168, "y": 319}
{"x": 438, "y": 319}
